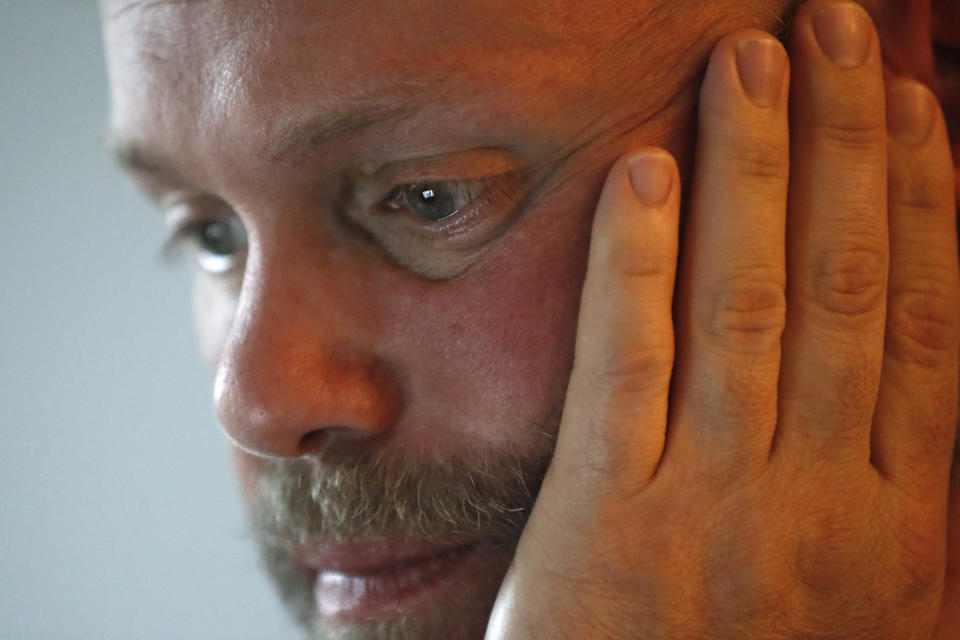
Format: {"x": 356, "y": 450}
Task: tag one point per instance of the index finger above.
{"x": 616, "y": 406}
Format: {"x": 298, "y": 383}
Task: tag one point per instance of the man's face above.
{"x": 415, "y": 183}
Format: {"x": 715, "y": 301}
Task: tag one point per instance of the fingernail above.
{"x": 651, "y": 175}
{"x": 761, "y": 64}
{"x": 910, "y": 113}
{"x": 843, "y": 32}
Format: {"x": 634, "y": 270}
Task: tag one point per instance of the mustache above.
{"x": 356, "y": 492}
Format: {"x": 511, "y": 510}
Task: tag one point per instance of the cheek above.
{"x": 482, "y": 360}
{"x": 486, "y": 357}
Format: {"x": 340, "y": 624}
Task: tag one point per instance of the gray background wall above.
{"x": 118, "y": 517}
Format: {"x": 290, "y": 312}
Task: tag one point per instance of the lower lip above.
{"x": 392, "y": 590}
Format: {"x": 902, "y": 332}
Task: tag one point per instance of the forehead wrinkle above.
{"x": 296, "y": 139}
{"x": 679, "y": 60}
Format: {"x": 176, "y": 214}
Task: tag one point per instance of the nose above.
{"x": 299, "y": 366}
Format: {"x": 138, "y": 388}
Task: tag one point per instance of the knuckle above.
{"x": 851, "y": 119}
{"x": 641, "y": 369}
{"x": 922, "y": 326}
{"x": 610, "y": 400}
{"x": 831, "y": 548}
{"x": 760, "y": 158}
{"x": 627, "y": 373}
{"x": 748, "y": 311}
{"x": 751, "y": 147}
{"x": 634, "y": 266}
{"x": 822, "y": 562}
{"x": 845, "y": 132}
{"x": 917, "y": 193}
{"x": 850, "y": 280}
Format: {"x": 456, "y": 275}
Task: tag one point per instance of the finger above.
{"x": 731, "y": 296}
{"x": 615, "y": 412}
{"x": 837, "y": 248}
{"x": 916, "y": 408}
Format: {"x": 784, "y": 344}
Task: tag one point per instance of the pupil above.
{"x": 431, "y": 202}
{"x": 216, "y": 238}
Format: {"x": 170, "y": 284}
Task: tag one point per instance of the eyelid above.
{"x": 444, "y": 249}
{"x": 184, "y": 213}
{"x": 180, "y": 221}
{"x": 482, "y": 163}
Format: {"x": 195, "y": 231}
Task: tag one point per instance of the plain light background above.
{"x": 118, "y": 515}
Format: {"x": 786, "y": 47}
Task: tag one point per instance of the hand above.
{"x": 773, "y": 461}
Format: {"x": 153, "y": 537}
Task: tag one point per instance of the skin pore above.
{"x": 356, "y": 345}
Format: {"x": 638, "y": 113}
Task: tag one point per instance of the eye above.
{"x": 218, "y": 245}
{"x": 435, "y": 201}
{"x": 435, "y": 216}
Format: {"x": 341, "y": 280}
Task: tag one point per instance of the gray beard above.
{"x": 355, "y": 491}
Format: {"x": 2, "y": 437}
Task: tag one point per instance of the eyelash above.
{"x": 191, "y": 233}
{"x": 491, "y": 192}
{"x": 404, "y": 195}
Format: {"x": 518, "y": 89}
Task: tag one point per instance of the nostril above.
{"x": 316, "y": 442}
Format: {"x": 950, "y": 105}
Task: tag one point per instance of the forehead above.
{"x": 324, "y": 37}
{"x": 199, "y": 68}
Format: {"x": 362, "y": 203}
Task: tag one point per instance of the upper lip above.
{"x": 366, "y": 558}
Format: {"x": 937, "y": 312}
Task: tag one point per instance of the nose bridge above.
{"x": 297, "y": 366}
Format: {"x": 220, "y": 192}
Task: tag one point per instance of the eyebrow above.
{"x": 294, "y": 141}
{"x": 301, "y": 139}
{"x": 136, "y": 157}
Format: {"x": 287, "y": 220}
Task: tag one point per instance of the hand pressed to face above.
{"x": 784, "y": 471}
{"x": 393, "y": 375}
{"x": 422, "y": 362}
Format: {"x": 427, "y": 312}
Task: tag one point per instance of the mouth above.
{"x": 362, "y": 581}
